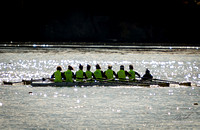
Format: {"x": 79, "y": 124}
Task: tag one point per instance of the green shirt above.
{"x": 98, "y": 74}
{"x": 58, "y": 76}
{"x": 88, "y": 74}
{"x": 68, "y": 75}
{"x": 79, "y": 75}
{"x": 121, "y": 75}
{"x": 132, "y": 73}
{"x": 109, "y": 74}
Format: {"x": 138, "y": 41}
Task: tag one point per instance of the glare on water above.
{"x": 178, "y": 67}
{"x": 26, "y": 107}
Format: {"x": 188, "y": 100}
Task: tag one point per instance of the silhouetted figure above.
{"x": 58, "y": 75}
{"x": 133, "y": 73}
{"x": 109, "y": 73}
{"x": 147, "y": 75}
{"x": 80, "y": 74}
{"x": 69, "y": 75}
{"x": 122, "y": 74}
{"x": 98, "y": 74}
{"x": 89, "y": 74}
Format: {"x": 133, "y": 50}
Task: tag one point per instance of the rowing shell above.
{"x": 41, "y": 83}
{"x": 71, "y": 84}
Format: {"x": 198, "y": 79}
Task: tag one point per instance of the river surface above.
{"x": 26, "y": 107}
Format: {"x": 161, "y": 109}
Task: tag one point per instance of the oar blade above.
{"x": 164, "y": 84}
{"x": 185, "y": 84}
{"x": 7, "y": 83}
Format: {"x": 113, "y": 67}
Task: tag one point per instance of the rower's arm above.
{"x": 52, "y": 76}
{"x": 103, "y": 74}
{"x": 127, "y": 73}
{"x": 137, "y": 74}
{"x": 73, "y": 75}
{"x": 114, "y": 74}
{"x": 84, "y": 74}
{"x": 93, "y": 75}
{"x": 63, "y": 75}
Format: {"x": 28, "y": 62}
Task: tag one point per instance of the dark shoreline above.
{"x": 28, "y": 44}
{"x": 49, "y": 47}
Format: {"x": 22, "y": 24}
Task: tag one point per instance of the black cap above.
{"x": 109, "y": 66}
{"x": 98, "y": 66}
{"x": 147, "y": 70}
{"x": 130, "y": 66}
{"x": 88, "y": 67}
{"x": 59, "y": 68}
{"x": 70, "y": 67}
{"x": 80, "y": 67}
{"x": 121, "y": 66}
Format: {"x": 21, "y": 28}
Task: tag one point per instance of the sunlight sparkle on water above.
{"x": 33, "y": 65}
{"x": 99, "y": 107}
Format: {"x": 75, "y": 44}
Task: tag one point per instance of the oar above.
{"x": 89, "y": 79}
{"x": 108, "y": 80}
{"x": 174, "y": 82}
{"x": 10, "y": 83}
{"x": 25, "y": 82}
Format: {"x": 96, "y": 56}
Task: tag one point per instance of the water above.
{"x": 42, "y": 63}
{"x": 99, "y": 108}
{"x": 24, "y": 107}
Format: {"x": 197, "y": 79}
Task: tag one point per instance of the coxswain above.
{"x": 132, "y": 73}
{"x": 58, "y": 75}
{"x": 88, "y": 73}
{"x": 122, "y": 74}
{"x": 69, "y": 75}
{"x": 98, "y": 74}
{"x": 80, "y": 74}
{"x": 109, "y": 73}
{"x": 147, "y": 75}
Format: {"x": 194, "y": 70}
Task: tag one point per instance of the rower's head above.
{"x": 98, "y": 66}
{"x": 122, "y": 67}
{"x": 109, "y": 66}
{"x": 59, "y": 68}
{"x": 80, "y": 67}
{"x": 88, "y": 67}
{"x": 147, "y": 71}
{"x": 131, "y": 67}
{"x": 70, "y": 67}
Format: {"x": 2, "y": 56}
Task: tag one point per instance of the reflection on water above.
{"x": 178, "y": 67}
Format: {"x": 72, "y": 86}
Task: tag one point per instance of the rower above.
{"x": 132, "y": 73}
{"x": 147, "y": 75}
{"x": 69, "y": 74}
{"x": 80, "y": 74}
{"x": 121, "y": 74}
{"x": 58, "y": 75}
{"x": 109, "y": 73}
{"x": 88, "y": 73}
{"x": 98, "y": 74}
